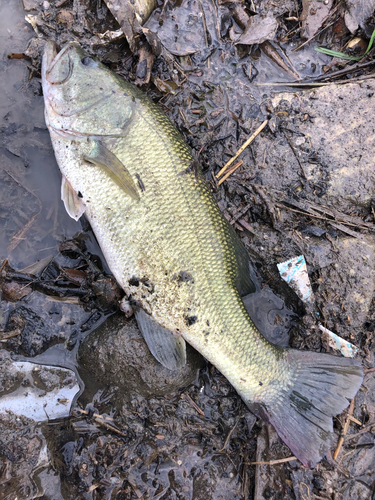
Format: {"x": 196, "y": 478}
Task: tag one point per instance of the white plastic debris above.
{"x": 294, "y": 272}
{"x": 40, "y": 392}
{"x": 346, "y": 348}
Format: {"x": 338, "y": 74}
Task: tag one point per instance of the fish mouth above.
{"x": 51, "y": 58}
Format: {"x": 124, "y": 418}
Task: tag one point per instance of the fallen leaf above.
{"x": 314, "y": 13}
{"x": 258, "y": 30}
{"x": 358, "y": 12}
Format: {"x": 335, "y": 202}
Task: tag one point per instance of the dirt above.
{"x": 305, "y": 188}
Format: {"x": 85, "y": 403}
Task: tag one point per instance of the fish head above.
{"x": 82, "y": 96}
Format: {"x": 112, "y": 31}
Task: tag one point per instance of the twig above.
{"x": 345, "y": 429}
{"x": 359, "y": 433}
{"x": 266, "y": 283}
{"x": 229, "y": 435}
{"x": 230, "y": 171}
{"x": 242, "y": 148}
{"x": 274, "y": 462}
{"x": 316, "y": 84}
{"x": 193, "y": 403}
{"x": 8, "y": 335}
{"x": 295, "y": 154}
{"x": 309, "y": 40}
{"x": 204, "y": 24}
{"x": 345, "y": 71}
{"x": 240, "y": 213}
{"x": 102, "y": 421}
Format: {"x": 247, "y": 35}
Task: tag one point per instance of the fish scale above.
{"x": 172, "y": 251}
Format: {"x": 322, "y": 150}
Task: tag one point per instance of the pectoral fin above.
{"x": 72, "y": 202}
{"x": 169, "y": 349}
{"x": 104, "y": 158}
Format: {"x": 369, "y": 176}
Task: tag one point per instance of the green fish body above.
{"x": 172, "y": 251}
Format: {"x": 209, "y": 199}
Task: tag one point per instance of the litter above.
{"x": 346, "y": 348}
{"x": 45, "y": 392}
{"x": 294, "y": 272}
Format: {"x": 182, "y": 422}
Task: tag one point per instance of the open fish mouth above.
{"x": 56, "y": 68}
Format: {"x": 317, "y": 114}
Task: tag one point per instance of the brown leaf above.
{"x": 313, "y": 15}
{"x": 13, "y": 292}
{"x": 258, "y": 30}
{"x": 358, "y": 12}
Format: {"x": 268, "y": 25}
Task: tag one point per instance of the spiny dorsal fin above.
{"x": 169, "y": 349}
{"x": 72, "y": 202}
{"x": 103, "y": 157}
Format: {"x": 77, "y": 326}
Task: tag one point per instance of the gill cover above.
{"x": 82, "y": 96}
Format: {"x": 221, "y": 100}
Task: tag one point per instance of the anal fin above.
{"x": 169, "y": 349}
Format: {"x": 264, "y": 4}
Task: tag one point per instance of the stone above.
{"x": 116, "y": 355}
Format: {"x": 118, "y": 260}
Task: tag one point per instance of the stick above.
{"x": 345, "y": 429}
{"x": 230, "y": 171}
{"x": 274, "y": 462}
{"x": 244, "y": 146}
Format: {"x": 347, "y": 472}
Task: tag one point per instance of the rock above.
{"x": 346, "y": 288}
{"x": 30, "y": 4}
{"x": 116, "y": 355}
{"x": 337, "y": 154}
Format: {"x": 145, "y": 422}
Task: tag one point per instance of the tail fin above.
{"x": 303, "y": 416}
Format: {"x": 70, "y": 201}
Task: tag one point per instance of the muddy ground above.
{"x": 305, "y": 186}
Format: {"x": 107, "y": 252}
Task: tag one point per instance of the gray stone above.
{"x": 346, "y": 288}
{"x": 339, "y": 138}
{"x": 116, "y": 355}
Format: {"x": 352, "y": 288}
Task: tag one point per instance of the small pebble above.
{"x": 46, "y": 5}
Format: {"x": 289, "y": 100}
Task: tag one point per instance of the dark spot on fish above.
{"x": 207, "y": 333}
{"x": 243, "y": 380}
{"x": 208, "y": 323}
{"x": 184, "y": 276}
{"x": 80, "y": 195}
{"x": 147, "y": 284}
{"x": 193, "y": 167}
{"x": 140, "y": 183}
{"x": 134, "y": 282}
{"x": 260, "y": 383}
{"x": 190, "y": 320}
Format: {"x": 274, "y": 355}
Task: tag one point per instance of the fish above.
{"x": 181, "y": 265}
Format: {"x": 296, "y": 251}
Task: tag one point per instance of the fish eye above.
{"x": 88, "y": 61}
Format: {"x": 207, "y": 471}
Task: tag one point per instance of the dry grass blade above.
{"x": 349, "y": 418}
{"x": 274, "y": 462}
{"x": 230, "y": 171}
{"x": 193, "y": 403}
{"x": 242, "y": 148}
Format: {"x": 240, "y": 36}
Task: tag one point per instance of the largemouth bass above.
{"x": 172, "y": 251}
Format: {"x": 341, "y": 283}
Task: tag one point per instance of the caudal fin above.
{"x": 303, "y": 415}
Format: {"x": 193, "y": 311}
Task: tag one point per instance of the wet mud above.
{"x": 305, "y": 187}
